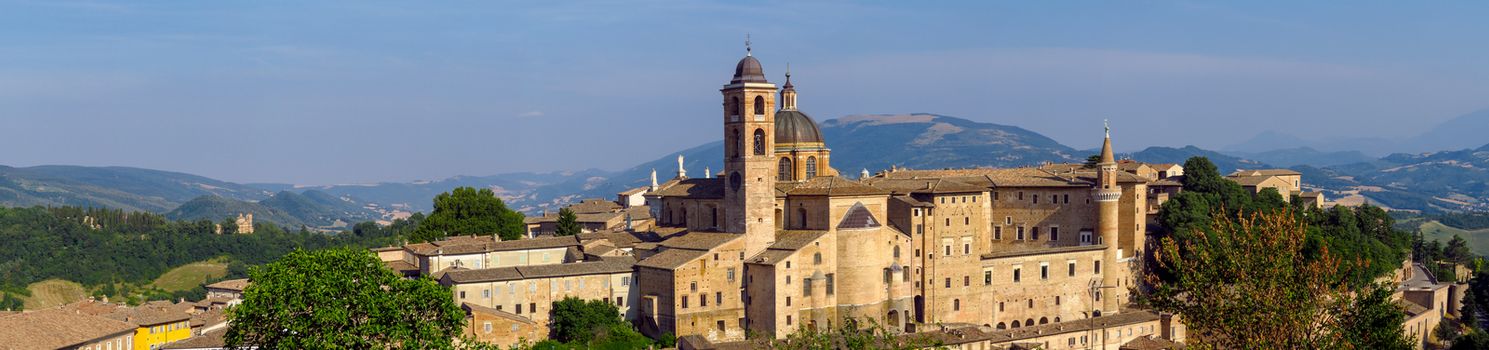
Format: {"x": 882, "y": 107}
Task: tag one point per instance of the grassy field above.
{"x": 190, "y": 275}
{"x": 1478, "y": 240}
{"x": 53, "y": 293}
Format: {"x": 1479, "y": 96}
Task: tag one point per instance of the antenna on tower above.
{"x": 747, "y": 44}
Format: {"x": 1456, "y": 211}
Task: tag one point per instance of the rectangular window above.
{"x": 1098, "y": 267}
{"x": 620, "y": 301}
{"x": 487, "y": 327}
{"x": 485, "y": 293}
{"x": 998, "y": 233}
{"x": 625, "y": 280}
{"x": 806, "y": 287}
{"x": 788, "y": 302}
{"x": 948, "y": 282}
{"x": 731, "y": 274}
{"x": 519, "y": 309}
{"x": 702, "y": 300}
{"x": 987, "y": 278}
{"x": 1044, "y": 272}
{"x": 1066, "y": 199}
{"x": 1036, "y": 199}
{"x": 919, "y": 228}
{"x": 1072, "y": 269}
{"x": 684, "y": 301}
{"x": 830, "y": 285}
{"x": 995, "y": 195}
{"x": 1054, "y": 233}
{"x": 966, "y": 281}
{"x": 1008, "y": 220}
{"x": 718, "y": 298}
{"x": 462, "y": 294}
{"x": 948, "y": 252}
{"x": 966, "y": 248}
{"x": 1021, "y": 195}
{"x": 532, "y": 308}
{"x": 1016, "y": 274}
{"x": 1034, "y": 234}
{"x": 1020, "y": 233}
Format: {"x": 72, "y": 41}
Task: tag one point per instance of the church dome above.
{"x": 748, "y": 71}
{"x": 796, "y": 127}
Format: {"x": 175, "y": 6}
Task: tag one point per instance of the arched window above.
{"x": 811, "y": 167}
{"x": 1057, "y": 319}
{"x": 816, "y": 258}
{"x": 1029, "y": 322}
{"x": 784, "y": 173}
{"x": 1015, "y": 323}
{"x": 760, "y": 142}
{"x": 1043, "y": 320}
{"x": 896, "y": 251}
{"x": 759, "y": 105}
{"x": 738, "y": 145}
{"x": 735, "y": 108}
{"x": 801, "y": 213}
{"x": 1002, "y": 325}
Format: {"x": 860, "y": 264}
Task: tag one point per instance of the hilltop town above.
{"x": 1040, "y": 257}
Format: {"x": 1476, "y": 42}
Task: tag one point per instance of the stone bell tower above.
{"x": 1107, "y": 194}
{"x": 749, "y": 154}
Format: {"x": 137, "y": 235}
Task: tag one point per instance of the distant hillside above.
{"x": 1305, "y": 156}
{"x": 114, "y": 187}
{"x": 1225, "y": 163}
{"x": 1431, "y": 182}
{"x": 1464, "y": 131}
{"x": 286, "y": 208}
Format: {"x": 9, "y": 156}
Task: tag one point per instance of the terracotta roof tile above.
{"x": 698, "y": 240}
{"x": 671, "y": 258}
{"x": 833, "y": 186}
{"x": 692, "y": 188}
{"x": 234, "y": 284}
{"x": 57, "y": 328}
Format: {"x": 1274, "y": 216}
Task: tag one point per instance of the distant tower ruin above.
{"x": 245, "y": 223}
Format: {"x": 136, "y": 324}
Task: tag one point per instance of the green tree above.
{"x": 1457, "y": 251}
{"x": 1092, "y": 161}
{"x": 1245, "y": 282}
{"x": 468, "y": 211}
{"x": 1474, "y": 340}
{"x": 579, "y": 321}
{"x": 341, "y": 299}
{"x": 852, "y": 334}
{"x": 568, "y": 223}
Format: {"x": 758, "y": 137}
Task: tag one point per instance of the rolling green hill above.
{"x": 286, "y": 208}
{"x": 1478, "y": 240}
{"x": 112, "y": 187}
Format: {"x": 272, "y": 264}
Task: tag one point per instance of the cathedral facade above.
{"x": 778, "y": 240}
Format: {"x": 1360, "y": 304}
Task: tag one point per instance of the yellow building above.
{"x": 157, "y": 325}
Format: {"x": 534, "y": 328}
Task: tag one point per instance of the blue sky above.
{"x": 320, "y": 92}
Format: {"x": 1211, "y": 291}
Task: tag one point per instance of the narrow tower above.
{"x": 749, "y": 156}
{"x": 1107, "y": 194}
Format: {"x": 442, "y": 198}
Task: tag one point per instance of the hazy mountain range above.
{"x": 1463, "y": 132}
{"x": 1450, "y": 180}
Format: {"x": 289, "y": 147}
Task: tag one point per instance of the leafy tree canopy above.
{"x": 468, "y": 211}
{"x": 1247, "y": 283}
{"x": 341, "y": 299}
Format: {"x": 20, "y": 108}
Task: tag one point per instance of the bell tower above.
{"x": 1107, "y": 193}
{"x": 749, "y": 154}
